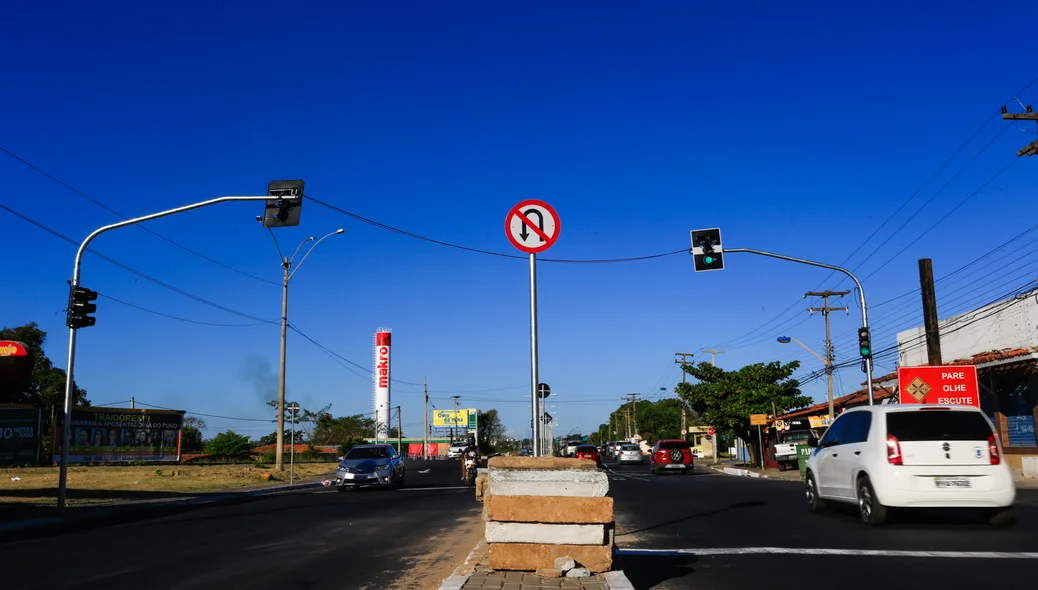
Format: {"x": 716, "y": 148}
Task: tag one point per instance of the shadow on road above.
{"x": 736, "y": 506}
{"x": 646, "y": 571}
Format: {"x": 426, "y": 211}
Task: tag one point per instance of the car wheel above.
{"x": 814, "y": 501}
{"x": 1002, "y": 516}
{"x": 872, "y": 512}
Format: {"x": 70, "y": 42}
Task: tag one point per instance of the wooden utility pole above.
{"x": 425, "y": 426}
{"x": 933, "y": 330}
{"x": 1030, "y": 149}
{"x": 633, "y": 415}
{"x": 825, "y": 309}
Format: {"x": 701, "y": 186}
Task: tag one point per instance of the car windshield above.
{"x": 673, "y": 444}
{"x": 367, "y": 453}
{"x": 795, "y": 435}
{"x": 938, "y": 425}
{"x": 630, "y": 448}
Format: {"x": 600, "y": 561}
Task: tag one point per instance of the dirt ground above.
{"x": 88, "y": 484}
{"x": 449, "y": 553}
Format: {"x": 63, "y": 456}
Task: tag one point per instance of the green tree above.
{"x": 191, "y": 435}
{"x": 491, "y": 431}
{"x": 725, "y": 399}
{"x": 228, "y": 443}
{"x": 47, "y": 388}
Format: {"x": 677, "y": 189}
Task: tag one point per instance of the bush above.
{"x": 228, "y": 443}
{"x": 269, "y": 457}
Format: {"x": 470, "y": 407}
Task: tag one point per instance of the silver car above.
{"x": 370, "y": 465}
{"x": 629, "y": 453}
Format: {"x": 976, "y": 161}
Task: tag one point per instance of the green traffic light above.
{"x": 864, "y": 351}
{"x": 709, "y": 259}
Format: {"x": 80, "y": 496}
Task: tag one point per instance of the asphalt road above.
{"x": 709, "y": 530}
{"x": 308, "y": 539}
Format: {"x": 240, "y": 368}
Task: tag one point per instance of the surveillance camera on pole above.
{"x": 283, "y": 210}
{"x": 707, "y": 252}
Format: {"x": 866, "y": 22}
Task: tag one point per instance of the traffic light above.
{"x": 707, "y": 252}
{"x": 284, "y": 209}
{"x": 79, "y": 306}
{"x": 864, "y": 343}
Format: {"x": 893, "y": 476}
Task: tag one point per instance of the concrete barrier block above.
{"x": 1030, "y": 466}
{"x": 587, "y": 484}
{"x": 541, "y": 464}
{"x": 532, "y": 557}
{"x": 550, "y": 509}
{"x": 547, "y": 534}
{"x": 482, "y": 483}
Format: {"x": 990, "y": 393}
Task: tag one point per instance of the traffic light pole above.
{"x": 861, "y": 296}
{"x": 69, "y": 378}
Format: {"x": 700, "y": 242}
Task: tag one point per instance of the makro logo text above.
{"x": 383, "y": 367}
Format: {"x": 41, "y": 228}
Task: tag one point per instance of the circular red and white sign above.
{"x": 532, "y": 226}
{"x": 710, "y": 431}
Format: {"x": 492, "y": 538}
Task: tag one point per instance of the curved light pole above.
{"x": 286, "y": 265}
{"x": 828, "y": 368}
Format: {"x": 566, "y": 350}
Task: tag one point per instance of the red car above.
{"x": 671, "y": 455}
{"x": 588, "y": 452}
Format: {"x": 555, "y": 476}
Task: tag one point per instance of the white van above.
{"x": 911, "y": 456}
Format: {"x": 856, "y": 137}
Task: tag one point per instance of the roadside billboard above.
{"x": 121, "y": 435}
{"x": 448, "y": 418}
{"x": 19, "y": 435}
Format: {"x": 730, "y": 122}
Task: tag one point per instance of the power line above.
{"x": 116, "y": 213}
{"x": 129, "y": 269}
{"x": 173, "y": 317}
{"x": 206, "y": 415}
{"x": 736, "y": 343}
{"x": 490, "y": 252}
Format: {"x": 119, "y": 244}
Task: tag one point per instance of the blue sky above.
{"x": 800, "y": 129}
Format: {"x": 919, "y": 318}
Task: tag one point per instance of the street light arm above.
{"x": 861, "y": 296}
{"x": 825, "y": 362}
{"x": 334, "y": 233}
{"x": 281, "y": 257}
{"x": 300, "y": 247}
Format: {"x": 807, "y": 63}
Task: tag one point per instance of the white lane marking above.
{"x": 813, "y": 551}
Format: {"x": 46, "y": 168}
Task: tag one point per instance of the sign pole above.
{"x": 760, "y": 439}
{"x": 535, "y": 398}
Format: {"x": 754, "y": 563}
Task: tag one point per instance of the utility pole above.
{"x": 133, "y": 403}
{"x": 1030, "y": 149}
{"x": 454, "y": 420}
{"x": 425, "y": 427}
{"x": 715, "y": 446}
{"x": 713, "y": 354}
{"x": 825, "y": 310}
{"x": 684, "y": 361}
{"x": 933, "y": 330}
{"x": 633, "y": 399}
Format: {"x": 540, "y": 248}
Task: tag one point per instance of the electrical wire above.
{"x": 120, "y": 215}
{"x": 736, "y": 343}
{"x": 188, "y": 320}
{"x": 134, "y": 271}
{"x": 206, "y": 415}
{"x": 490, "y": 252}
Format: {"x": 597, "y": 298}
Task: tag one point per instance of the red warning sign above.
{"x": 945, "y": 384}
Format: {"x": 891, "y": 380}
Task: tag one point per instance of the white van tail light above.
{"x": 894, "y": 450}
{"x": 996, "y": 457}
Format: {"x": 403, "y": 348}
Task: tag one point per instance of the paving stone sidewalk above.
{"x": 530, "y": 581}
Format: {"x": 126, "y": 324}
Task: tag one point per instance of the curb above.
{"x": 617, "y": 580}
{"x": 122, "y": 513}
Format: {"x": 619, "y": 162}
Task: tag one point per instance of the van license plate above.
{"x": 952, "y": 482}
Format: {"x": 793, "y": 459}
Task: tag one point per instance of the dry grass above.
{"x": 87, "y": 484}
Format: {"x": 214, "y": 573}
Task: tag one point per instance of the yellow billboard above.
{"x": 450, "y": 418}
